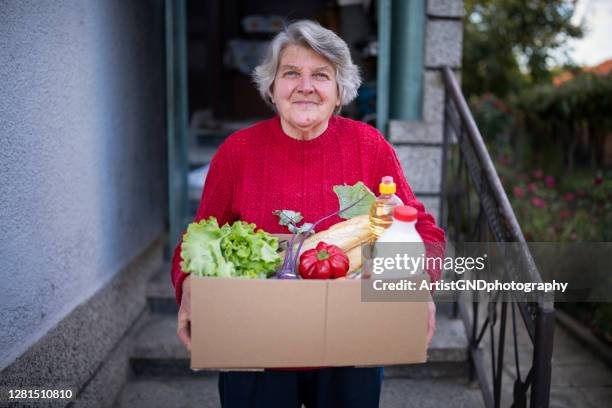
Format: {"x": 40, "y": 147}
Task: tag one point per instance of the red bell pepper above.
{"x": 323, "y": 262}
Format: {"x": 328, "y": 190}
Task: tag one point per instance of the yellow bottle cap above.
{"x": 387, "y": 186}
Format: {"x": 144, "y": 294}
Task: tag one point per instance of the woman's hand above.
{"x": 184, "y": 315}
{"x": 431, "y": 322}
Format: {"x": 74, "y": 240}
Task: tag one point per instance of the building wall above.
{"x": 419, "y": 143}
{"x": 82, "y": 154}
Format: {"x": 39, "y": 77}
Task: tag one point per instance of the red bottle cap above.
{"x": 405, "y": 213}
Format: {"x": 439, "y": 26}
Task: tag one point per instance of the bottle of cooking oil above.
{"x": 381, "y": 212}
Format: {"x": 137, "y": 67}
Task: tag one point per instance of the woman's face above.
{"x": 305, "y": 91}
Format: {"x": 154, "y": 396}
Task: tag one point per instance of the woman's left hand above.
{"x": 431, "y": 322}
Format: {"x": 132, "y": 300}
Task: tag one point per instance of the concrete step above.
{"x": 160, "y": 293}
{"x": 153, "y": 392}
{"x": 158, "y": 351}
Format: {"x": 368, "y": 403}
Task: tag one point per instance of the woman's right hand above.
{"x": 184, "y": 315}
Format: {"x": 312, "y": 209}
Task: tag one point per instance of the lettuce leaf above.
{"x": 254, "y": 254}
{"x": 236, "y": 251}
{"x": 201, "y": 250}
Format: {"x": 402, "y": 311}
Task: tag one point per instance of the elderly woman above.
{"x": 292, "y": 161}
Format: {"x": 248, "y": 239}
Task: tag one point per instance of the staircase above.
{"x": 161, "y": 376}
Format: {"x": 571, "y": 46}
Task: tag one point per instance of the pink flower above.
{"x": 519, "y": 192}
{"x": 501, "y": 106}
{"x": 563, "y": 214}
{"x": 598, "y": 180}
{"x": 581, "y": 192}
{"x": 549, "y": 181}
{"x": 538, "y": 202}
{"x": 573, "y": 236}
{"x": 538, "y": 173}
{"x": 522, "y": 177}
{"x": 569, "y": 197}
{"x": 532, "y": 187}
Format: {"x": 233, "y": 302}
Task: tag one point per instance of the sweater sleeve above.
{"x": 433, "y": 237}
{"x": 216, "y": 201}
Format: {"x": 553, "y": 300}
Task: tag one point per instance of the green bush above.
{"x": 568, "y": 123}
{"x": 560, "y": 132}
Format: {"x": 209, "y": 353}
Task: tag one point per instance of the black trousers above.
{"x": 338, "y": 387}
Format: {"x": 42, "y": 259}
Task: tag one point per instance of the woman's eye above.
{"x": 291, "y": 73}
{"x": 321, "y": 75}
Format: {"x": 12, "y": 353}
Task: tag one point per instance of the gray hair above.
{"x": 322, "y": 41}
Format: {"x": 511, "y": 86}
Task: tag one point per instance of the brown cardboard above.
{"x": 244, "y": 323}
{"x": 372, "y": 333}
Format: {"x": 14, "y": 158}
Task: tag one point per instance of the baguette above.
{"x": 354, "y": 256}
{"x": 346, "y": 235}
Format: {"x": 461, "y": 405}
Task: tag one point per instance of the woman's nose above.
{"x": 305, "y": 84}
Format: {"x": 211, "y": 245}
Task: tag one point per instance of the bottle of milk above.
{"x": 402, "y": 242}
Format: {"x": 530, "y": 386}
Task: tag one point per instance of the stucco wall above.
{"x": 82, "y": 154}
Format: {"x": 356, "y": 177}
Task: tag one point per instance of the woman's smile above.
{"x": 305, "y": 103}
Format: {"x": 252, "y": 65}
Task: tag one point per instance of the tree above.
{"x": 508, "y": 43}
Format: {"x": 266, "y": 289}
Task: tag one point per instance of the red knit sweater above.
{"x": 261, "y": 169}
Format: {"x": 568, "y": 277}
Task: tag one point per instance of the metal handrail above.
{"x": 495, "y": 209}
{"x": 490, "y": 173}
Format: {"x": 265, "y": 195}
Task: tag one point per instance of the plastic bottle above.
{"x": 403, "y": 230}
{"x": 382, "y": 208}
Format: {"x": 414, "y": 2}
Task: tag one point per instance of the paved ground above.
{"x": 579, "y": 378}
{"x": 434, "y": 393}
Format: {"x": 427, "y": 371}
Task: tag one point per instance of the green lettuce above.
{"x": 228, "y": 251}
{"x": 201, "y": 250}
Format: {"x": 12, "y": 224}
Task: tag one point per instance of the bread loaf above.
{"x": 347, "y": 235}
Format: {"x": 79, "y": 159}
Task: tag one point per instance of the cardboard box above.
{"x": 247, "y": 324}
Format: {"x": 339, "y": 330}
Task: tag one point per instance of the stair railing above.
{"x": 474, "y": 201}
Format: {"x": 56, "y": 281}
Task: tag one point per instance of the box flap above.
{"x": 373, "y": 333}
{"x": 283, "y": 320}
